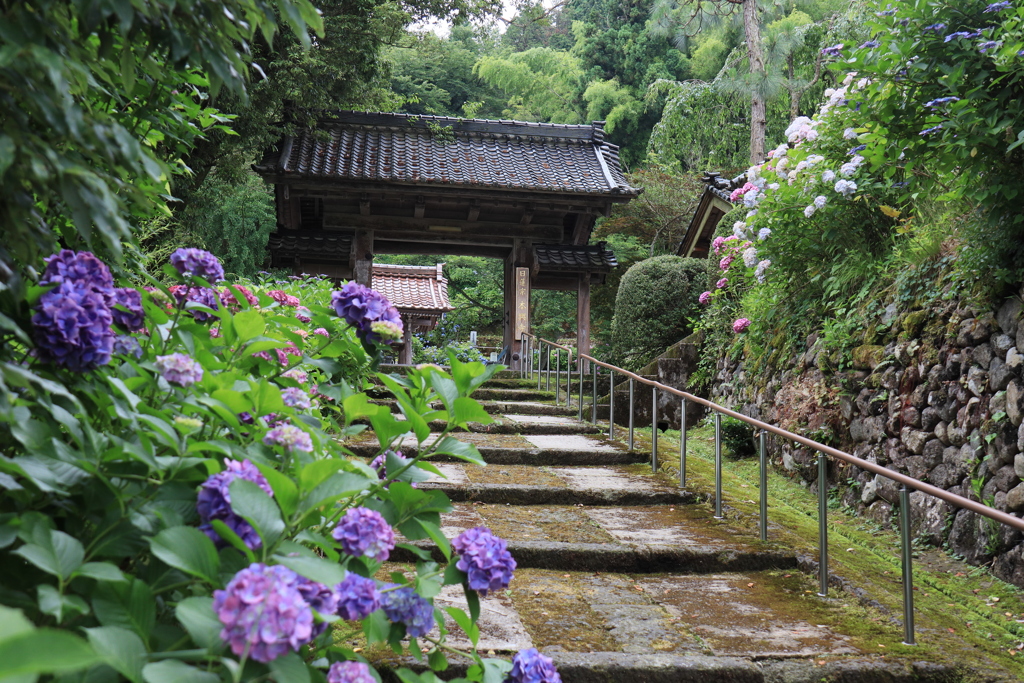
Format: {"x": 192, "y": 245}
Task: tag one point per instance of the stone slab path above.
{"x": 622, "y": 575}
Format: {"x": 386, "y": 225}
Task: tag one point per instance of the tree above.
{"x": 101, "y": 103}
{"x": 544, "y": 84}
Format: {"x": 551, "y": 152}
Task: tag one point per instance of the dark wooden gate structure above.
{"x": 360, "y": 185}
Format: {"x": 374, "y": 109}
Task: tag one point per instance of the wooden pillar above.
{"x": 405, "y": 356}
{"x": 362, "y": 257}
{"x": 583, "y": 314}
{"x": 507, "y": 321}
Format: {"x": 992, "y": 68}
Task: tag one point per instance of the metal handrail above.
{"x": 527, "y": 367}
{"x": 906, "y": 482}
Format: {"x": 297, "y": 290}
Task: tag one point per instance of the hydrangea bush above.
{"x": 177, "y": 504}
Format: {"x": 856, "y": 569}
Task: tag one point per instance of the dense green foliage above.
{"x": 654, "y": 307}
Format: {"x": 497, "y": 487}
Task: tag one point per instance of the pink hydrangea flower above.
{"x": 721, "y": 283}
{"x": 740, "y": 325}
{"x": 705, "y": 297}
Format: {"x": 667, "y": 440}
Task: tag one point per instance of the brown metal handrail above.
{"x": 526, "y": 364}
{"x": 906, "y": 482}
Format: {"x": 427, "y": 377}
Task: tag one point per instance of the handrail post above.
{"x": 718, "y": 465}
{"x": 579, "y": 373}
{"x": 823, "y": 524}
{"x": 630, "y": 413}
{"x": 558, "y": 372}
{"x": 593, "y": 406}
{"x": 908, "y": 567}
{"x": 654, "y": 429}
{"x": 547, "y": 380}
{"x": 611, "y": 404}
{"x": 763, "y": 448}
{"x": 539, "y": 374}
{"x": 682, "y": 446}
{"x": 522, "y": 355}
{"x": 568, "y": 379}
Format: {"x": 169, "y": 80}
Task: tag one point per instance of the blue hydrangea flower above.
{"x": 869, "y": 44}
{"x": 321, "y": 598}
{"x": 361, "y": 307}
{"x": 80, "y": 268}
{"x": 485, "y": 559}
{"x": 934, "y": 28}
{"x": 289, "y": 437}
{"x": 988, "y": 45}
{"x": 939, "y": 101}
{"x": 933, "y": 129}
{"x": 380, "y": 464}
{"x": 960, "y": 34}
{"x": 177, "y": 368}
{"x": 364, "y": 532}
{"x": 350, "y": 672}
{"x": 214, "y": 502}
{"x": 404, "y": 606}
{"x": 530, "y": 666}
{"x": 263, "y": 612}
{"x": 293, "y": 397}
{"x": 357, "y": 597}
{"x": 126, "y": 345}
{"x": 833, "y": 50}
{"x": 200, "y": 295}
{"x": 71, "y": 327}
{"x": 127, "y": 311}
{"x": 997, "y": 6}
{"x": 198, "y": 263}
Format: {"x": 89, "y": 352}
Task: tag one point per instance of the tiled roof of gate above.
{"x": 310, "y": 244}
{"x": 419, "y": 288}
{"x": 440, "y": 150}
{"x": 573, "y": 257}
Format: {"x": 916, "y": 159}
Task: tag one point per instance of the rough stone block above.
{"x": 1001, "y": 343}
{"x": 1015, "y": 401}
{"x": 1014, "y": 360}
{"x": 929, "y": 418}
{"x": 982, "y": 355}
{"x": 928, "y": 517}
{"x": 942, "y": 476}
{"x": 911, "y": 416}
{"x": 977, "y": 380}
{"x": 998, "y": 375}
{"x": 1005, "y": 478}
{"x": 916, "y": 466}
{"x": 932, "y": 452}
{"x": 940, "y": 433}
{"x": 1018, "y": 465}
{"x": 1008, "y": 315}
{"x": 914, "y": 439}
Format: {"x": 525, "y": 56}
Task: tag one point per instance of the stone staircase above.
{"x": 622, "y": 575}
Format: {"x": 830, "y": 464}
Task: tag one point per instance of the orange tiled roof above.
{"x": 413, "y": 288}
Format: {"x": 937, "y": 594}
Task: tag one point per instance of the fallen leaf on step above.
{"x": 750, "y": 585}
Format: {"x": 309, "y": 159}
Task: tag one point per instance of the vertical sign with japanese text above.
{"x": 522, "y": 303}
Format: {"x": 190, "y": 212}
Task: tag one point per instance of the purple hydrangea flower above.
{"x": 214, "y": 502}
{"x": 80, "y": 268}
{"x": 294, "y": 397}
{"x": 740, "y": 325}
{"x": 380, "y": 464}
{"x": 361, "y": 307}
{"x": 858, "y": 148}
{"x": 132, "y": 318}
{"x": 960, "y": 34}
{"x": 704, "y": 298}
{"x": 263, "y": 612}
{"x": 303, "y": 314}
{"x": 721, "y": 283}
{"x": 322, "y": 332}
{"x": 988, "y": 45}
{"x": 404, "y": 606}
{"x": 290, "y": 438}
{"x": 485, "y": 559}
{"x": 869, "y": 45}
{"x": 350, "y": 672}
{"x": 126, "y": 345}
{"x": 530, "y": 666}
{"x": 997, "y": 6}
{"x": 71, "y": 326}
{"x": 357, "y": 597}
{"x": 934, "y": 28}
{"x": 833, "y": 50}
{"x": 200, "y": 295}
{"x": 300, "y": 376}
{"x": 365, "y": 532}
{"x": 177, "y": 368}
{"x": 198, "y": 263}
{"x": 321, "y": 598}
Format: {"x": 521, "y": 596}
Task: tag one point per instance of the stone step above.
{"x": 485, "y": 394}
{"x": 498, "y": 407}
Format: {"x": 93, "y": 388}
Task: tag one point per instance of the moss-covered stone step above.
{"x": 524, "y": 449}
{"x": 526, "y": 394}
{"x": 499, "y": 407}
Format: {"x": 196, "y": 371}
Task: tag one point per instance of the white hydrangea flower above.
{"x": 801, "y": 166}
{"x": 863, "y": 83}
{"x": 798, "y": 124}
{"x": 820, "y": 200}
{"x": 752, "y": 173}
{"x": 761, "y": 268}
{"x": 850, "y": 134}
{"x": 781, "y": 166}
{"x": 847, "y": 169}
{"x": 739, "y": 230}
{"x": 857, "y": 161}
{"x": 828, "y": 176}
{"x": 846, "y": 187}
{"x": 763, "y": 234}
{"x": 809, "y": 210}
{"x": 773, "y": 186}
{"x": 751, "y": 198}
{"x": 752, "y": 213}
{"x": 812, "y": 134}
{"x": 814, "y": 160}
{"x": 749, "y": 257}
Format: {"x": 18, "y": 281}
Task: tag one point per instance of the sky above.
{"x": 442, "y": 28}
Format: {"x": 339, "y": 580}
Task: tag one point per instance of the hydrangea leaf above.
{"x": 120, "y": 648}
{"x": 189, "y": 550}
{"x": 253, "y": 504}
{"x": 289, "y": 669}
{"x": 175, "y": 671}
{"x": 129, "y": 606}
{"x": 197, "y": 616}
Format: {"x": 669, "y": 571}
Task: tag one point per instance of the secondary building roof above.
{"x": 413, "y": 289}
{"x": 440, "y": 150}
{"x": 593, "y": 257}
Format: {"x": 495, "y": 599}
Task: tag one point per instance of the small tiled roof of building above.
{"x": 723, "y": 187}
{"x": 412, "y": 288}
{"x": 593, "y": 257}
{"x": 316, "y": 244}
{"x": 440, "y": 150}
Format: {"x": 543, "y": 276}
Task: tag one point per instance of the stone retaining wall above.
{"x": 944, "y": 403}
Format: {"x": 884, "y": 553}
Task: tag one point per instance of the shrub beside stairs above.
{"x": 624, "y": 576}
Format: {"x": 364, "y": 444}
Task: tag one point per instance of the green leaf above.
{"x": 189, "y": 550}
{"x": 445, "y": 388}
{"x": 120, "y": 648}
{"x": 468, "y": 410}
{"x": 52, "y": 602}
{"x": 317, "y": 472}
{"x": 197, "y": 616}
{"x": 289, "y": 669}
{"x": 464, "y": 621}
{"x": 175, "y": 671}
{"x": 454, "y": 576}
{"x": 54, "y": 552}
{"x": 286, "y": 493}
{"x": 101, "y": 571}
{"x": 254, "y": 505}
{"x": 129, "y": 606}
{"x": 314, "y": 568}
{"x": 460, "y": 449}
{"x": 376, "y": 627}
{"x": 434, "y": 532}
{"x": 27, "y": 651}
{"x": 248, "y": 324}
{"x": 336, "y": 487}
{"x": 387, "y": 428}
{"x": 228, "y": 534}
{"x": 473, "y": 602}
